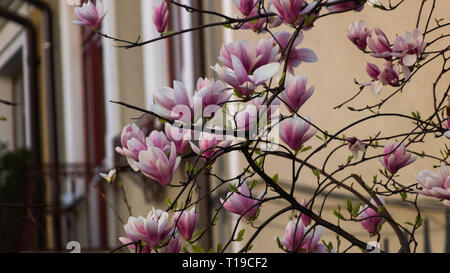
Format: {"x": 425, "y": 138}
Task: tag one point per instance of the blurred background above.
{"x": 61, "y": 130}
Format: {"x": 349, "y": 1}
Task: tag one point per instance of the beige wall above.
{"x": 339, "y": 63}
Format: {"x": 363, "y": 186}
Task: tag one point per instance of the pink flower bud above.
{"x": 242, "y": 203}
{"x": 355, "y": 146}
{"x": 298, "y": 238}
{"x": 90, "y": 15}
{"x": 347, "y": 6}
{"x": 295, "y": 132}
{"x": 133, "y": 142}
{"x": 396, "y": 157}
{"x": 373, "y": 71}
{"x": 186, "y": 222}
{"x": 288, "y": 10}
{"x": 305, "y": 219}
{"x": 155, "y": 164}
{"x": 246, "y": 6}
{"x": 161, "y": 16}
{"x": 358, "y": 33}
{"x": 379, "y": 44}
{"x": 295, "y": 93}
{"x": 369, "y": 218}
{"x": 435, "y": 184}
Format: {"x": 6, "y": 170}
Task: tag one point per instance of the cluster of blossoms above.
{"x": 155, "y": 232}
{"x": 399, "y": 57}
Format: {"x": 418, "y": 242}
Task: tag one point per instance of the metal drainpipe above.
{"x": 49, "y": 68}
{"x": 32, "y": 63}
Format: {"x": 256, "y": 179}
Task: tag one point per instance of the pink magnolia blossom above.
{"x": 180, "y": 137}
{"x": 214, "y": 93}
{"x": 446, "y": 125}
{"x": 396, "y": 157}
{"x": 242, "y": 203}
{"x": 295, "y": 93}
{"x": 288, "y": 10}
{"x": 435, "y": 184}
{"x": 159, "y": 140}
{"x": 174, "y": 102}
{"x": 210, "y": 145}
{"x": 246, "y": 6}
{"x": 297, "y": 55}
{"x": 174, "y": 245}
{"x": 161, "y": 16}
{"x": 132, "y": 245}
{"x": 152, "y": 230}
{"x": 133, "y": 142}
{"x": 186, "y": 222}
{"x": 257, "y": 111}
{"x": 358, "y": 33}
{"x": 260, "y": 24}
{"x": 90, "y": 15}
{"x": 352, "y": 5}
{"x": 305, "y": 218}
{"x": 379, "y": 44}
{"x": 246, "y": 65}
{"x": 295, "y": 132}
{"x": 388, "y": 76}
{"x": 355, "y": 146}
{"x": 298, "y": 238}
{"x": 155, "y": 164}
{"x": 370, "y": 218}
{"x": 409, "y": 48}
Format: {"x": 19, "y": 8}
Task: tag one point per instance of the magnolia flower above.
{"x": 298, "y": 238}
{"x": 151, "y": 230}
{"x": 297, "y": 55}
{"x": 351, "y": 5}
{"x": 409, "y": 47}
{"x": 245, "y": 6}
{"x": 257, "y": 111}
{"x": 242, "y": 203}
{"x": 174, "y": 245}
{"x": 180, "y": 137}
{"x": 209, "y": 145}
{"x": 355, "y": 146}
{"x": 396, "y": 157}
{"x": 295, "y": 132}
{"x": 110, "y": 176}
{"x": 210, "y": 92}
{"x": 132, "y": 245}
{"x": 305, "y": 218}
{"x": 133, "y": 142}
{"x": 379, "y": 44}
{"x": 370, "y": 218}
{"x": 435, "y": 184}
{"x": 358, "y": 33}
{"x": 161, "y": 16}
{"x": 258, "y": 25}
{"x": 446, "y": 125}
{"x": 90, "y": 15}
{"x": 288, "y": 10}
{"x": 185, "y": 222}
{"x": 159, "y": 140}
{"x": 174, "y": 102}
{"x": 389, "y": 76}
{"x": 295, "y": 93}
{"x": 155, "y": 164}
{"x": 246, "y": 66}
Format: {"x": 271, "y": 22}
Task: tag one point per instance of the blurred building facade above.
{"x": 64, "y": 77}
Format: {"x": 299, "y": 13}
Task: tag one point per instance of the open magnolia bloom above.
{"x": 435, "y": 184}
{"x": 245, "y": 66}
{"x": 133, "y": 142}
